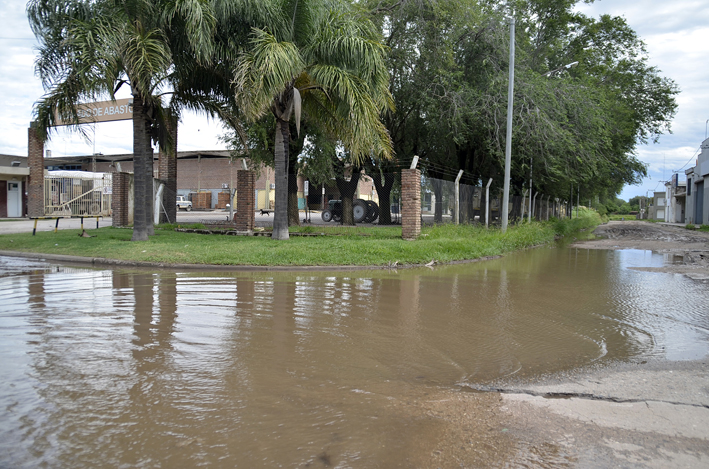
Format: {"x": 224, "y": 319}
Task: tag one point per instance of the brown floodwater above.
{"x": 119, "y": 368}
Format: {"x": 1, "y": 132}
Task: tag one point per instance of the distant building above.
{"x": 659, "y": 206}
{"x": 13, "y": 186}
{"x": 675, "y": 195}
{"x": 697, "y": 205}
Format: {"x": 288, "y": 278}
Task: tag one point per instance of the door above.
{"x": 699, "y": 204}
{"x": 14, "y": 200}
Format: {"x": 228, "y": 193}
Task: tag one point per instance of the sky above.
{"x": 676, "y": 34}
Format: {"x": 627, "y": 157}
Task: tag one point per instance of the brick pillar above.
{"x": 167, "y": 172}
{"x": 410, "y": 203}
{"x": 35, "y": 184}
{"x": 121, "y": 200}
{"x": 244, "y": 218}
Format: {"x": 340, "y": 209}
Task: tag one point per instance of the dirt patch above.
{"x": 689, "y": 250}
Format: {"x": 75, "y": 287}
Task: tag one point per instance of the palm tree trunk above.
{"x": 280, "y": 212}
{"x": 384, "y": 193}
{"x": 141, "y": 152}
{"x": 347, "y": 191}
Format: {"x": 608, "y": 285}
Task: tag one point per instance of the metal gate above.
{"x": 77, "y": 193}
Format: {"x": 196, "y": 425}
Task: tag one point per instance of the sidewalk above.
{"x": 25, "y": 225}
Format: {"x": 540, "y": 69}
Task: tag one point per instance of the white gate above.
{"x": 77, "y": 193}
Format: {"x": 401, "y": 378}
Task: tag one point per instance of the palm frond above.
{"x": 145, "y": 57}
{"x": 264, "y": 72}
{"x": 197, "y": 21}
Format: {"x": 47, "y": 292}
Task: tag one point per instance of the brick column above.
{"x": 244, "y": 218}
{"x": 35, "y": 183}
{"x": 167, "y": 172}
{"x": 121, "y": 200}
{"x": 410, "y": 203}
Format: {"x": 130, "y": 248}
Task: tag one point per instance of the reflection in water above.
{"x": 147, "y": 369}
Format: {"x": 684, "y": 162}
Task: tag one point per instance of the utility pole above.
{"x": 508, "y": 142}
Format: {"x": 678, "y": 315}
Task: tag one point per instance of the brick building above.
{"x": 205, "y": 177}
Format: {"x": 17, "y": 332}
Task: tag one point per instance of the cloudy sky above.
{"x": 676, "y": 34}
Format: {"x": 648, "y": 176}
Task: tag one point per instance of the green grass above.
{"x": 341, "y": 245}
{"x": 617, "y": 217}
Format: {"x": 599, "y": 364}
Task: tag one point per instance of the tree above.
{"x": 578, "y": 127}
{"x": 88, "y": 50}
{"x": 321, "y": 59}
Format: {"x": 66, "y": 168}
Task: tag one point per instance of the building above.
{"x": 675, "y": 195}
{"x": 697, "y": 205}
{"x": 14, "y": 174}
{"x": 657, "y": 210}
{"x": 206, "y": 178}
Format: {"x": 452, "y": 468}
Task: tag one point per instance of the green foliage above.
{"x": 624, "y": 208}
{"x": 324, "y": 60}
{"x": 586, "y": 219}
{"x": 578, "y": 126}
{"x": 704, "y": 228}
{"x": 690, "y": 226}
{"x": 174, "y": 226}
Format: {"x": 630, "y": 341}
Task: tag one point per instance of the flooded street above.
{"x": 148, "y": 369}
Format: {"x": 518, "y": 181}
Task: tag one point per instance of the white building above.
{"x": 675, "y": 197}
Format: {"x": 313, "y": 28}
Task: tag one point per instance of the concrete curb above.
{"x": 104, "y": 262}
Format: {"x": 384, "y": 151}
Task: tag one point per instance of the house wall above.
{"x": 3, "y": 199}
{"x": 689, "y": 203}
{"x": 698, "y": 186}
{"x": 659, "y": 206}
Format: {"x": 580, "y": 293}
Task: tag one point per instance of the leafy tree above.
{"x": 322, "y": 59}
{"x": 571, "y": 128}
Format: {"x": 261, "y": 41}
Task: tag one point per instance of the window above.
{"x": 689, "y": 187}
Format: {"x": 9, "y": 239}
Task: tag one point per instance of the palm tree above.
{"x": 324, "y": 59}
{"x": 89, "y": 49}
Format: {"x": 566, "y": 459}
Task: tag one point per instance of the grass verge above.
{"x": 358, "y": 246}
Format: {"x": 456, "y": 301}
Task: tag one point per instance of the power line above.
{"x": 690, "y": 160}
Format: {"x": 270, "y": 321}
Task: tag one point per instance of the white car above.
{"x": 183, "y": 203}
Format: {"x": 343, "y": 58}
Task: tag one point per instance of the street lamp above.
{"x": 562, "y": 68}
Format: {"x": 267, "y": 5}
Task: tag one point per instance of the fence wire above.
{"x": 438, "y": 204}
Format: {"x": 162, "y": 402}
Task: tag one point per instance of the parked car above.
{"x": 183, "y": 203}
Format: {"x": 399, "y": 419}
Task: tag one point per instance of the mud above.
{"x": 687, "y": 251}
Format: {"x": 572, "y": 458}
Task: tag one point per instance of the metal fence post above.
{"x": 487, "y": 202}
{"x": 457, "y": 197}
